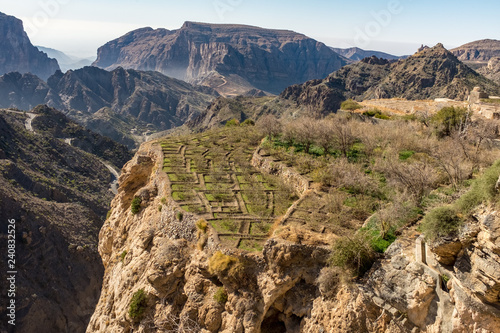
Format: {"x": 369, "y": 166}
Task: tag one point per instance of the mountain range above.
{"x": 478, "y": 51}
{"x": 137, "y": 100}
{"x": 428, "y": 74}
{"x": 357, "y": 54}
{"x": 66, "y": 62}
{"x": 229, "y": 58}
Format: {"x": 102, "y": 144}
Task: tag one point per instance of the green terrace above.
{"x": 211, "y": 175}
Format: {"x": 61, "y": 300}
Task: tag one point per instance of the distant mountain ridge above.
{"x": 135, "y": 101}
{"x": 428, "y": 74}
{"x": 17, "y": 54}
{"x": 479, "y": 51}
{"x": 357, "y": 54}
{"x": 230, "y": 58}
{"x": 65, "y": 61}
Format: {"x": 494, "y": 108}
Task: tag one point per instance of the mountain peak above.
{"x": 18, "y": 54}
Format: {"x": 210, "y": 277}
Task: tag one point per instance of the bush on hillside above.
{"x": 440, "y": 222}
{"x": 450, "y": 119}
{"x": 138, "y": 305}
{"x": 354, "y": 254}
{"x": 350, "y": 105}
{"x": 135, "y": 207}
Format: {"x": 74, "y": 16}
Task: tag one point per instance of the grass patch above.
{"x": 251, "y": 245}
{"x": 220, "y": 295}
{"x": 405, "y": 154}
{"x": 220, "y": 264}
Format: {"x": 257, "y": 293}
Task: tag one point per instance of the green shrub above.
{"x": 220, "y": 295}
{"x": 353, "y": 254}
{"x": 220, "y": 263}
{"x": 123, "y": 255}
{"x": 350, "y": 105}
{"x": 440, "y": 222}
{"x": 382, "y": 116}
{"x": 482, "y": 190}
{"x": 248, "y": 122}
{"x": 137, "y": 305}
{"x": 160, "y": 207}
{"x": 372, "y": 112}
{"x": 449, "y": 119}
{"x": 405, "y": 154}
{"x": 135, "y": 207}
{"x": 163, "y": 200}
{"x": 233, "y": 122}
{"x": 179, "y": 216}
{"x": 108, "y": 214}
{"x": 202, "y": 225}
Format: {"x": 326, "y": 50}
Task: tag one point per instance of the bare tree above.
{"x": 343, "y": 133}
{"x": 301, "y": 132}
{"x": 269, "y": 125}
{"x": 324, "y": 134}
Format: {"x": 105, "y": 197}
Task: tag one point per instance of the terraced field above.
{"x": 210, "y": 175}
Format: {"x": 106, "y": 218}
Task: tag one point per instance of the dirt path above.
{"x": 114, "y": 181}
{"x": 28, "y": 121}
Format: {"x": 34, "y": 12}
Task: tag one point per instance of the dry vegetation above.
{"x": 370, "y": 177}
{"x": 382, "y": 175}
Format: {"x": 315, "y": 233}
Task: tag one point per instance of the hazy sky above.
{"x": 79, "y": 27}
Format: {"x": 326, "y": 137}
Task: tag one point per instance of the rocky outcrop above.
{"x": 288, "y": 287}
{"x": 213, "y": 54}
{"x": 18, "y": 54}
{"x": 478, "y": 51}
{"x": 429, "y": 74}
{"x": 492, "y": 70}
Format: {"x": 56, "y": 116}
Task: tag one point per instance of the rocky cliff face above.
{"x": 428, "y": 74}
{"x": 229, "y": 58}
{"x": 58, "y": 195}
{"x": 492, "y": 70}
{"x": 478, "y": 51}
{"x": 287, "y": 287}
{"x": 18, "y": 54}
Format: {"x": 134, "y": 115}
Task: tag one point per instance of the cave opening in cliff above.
{"x": 276, "y": 321}
{"x": 273, "y": 322}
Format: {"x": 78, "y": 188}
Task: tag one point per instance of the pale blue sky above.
{"x": 79, "y": 27}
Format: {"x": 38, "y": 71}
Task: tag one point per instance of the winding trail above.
{"x": 114, "y": 181}
{"x": 28, "y": 124}
{"x": 28, "y": 121}
{"x": 113, "y": 186}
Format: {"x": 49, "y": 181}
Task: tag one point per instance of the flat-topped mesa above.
{"x": 231, "y": 58}
{"x": 478, "y": 51}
